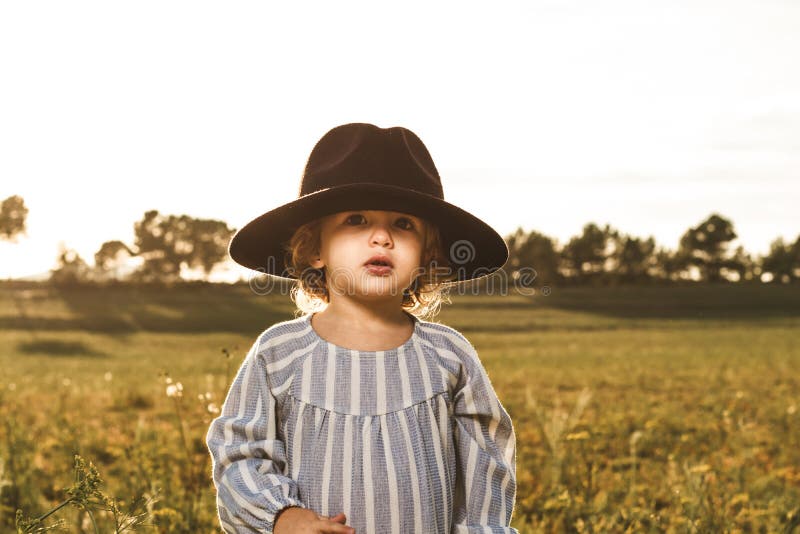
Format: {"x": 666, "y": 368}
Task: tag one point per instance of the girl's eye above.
{"x": 354, "y": 217}
{"x": 406, "y": 223}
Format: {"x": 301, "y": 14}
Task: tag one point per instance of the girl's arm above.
{"x": 249, "y": 461}
{"x": 486, "y": 453}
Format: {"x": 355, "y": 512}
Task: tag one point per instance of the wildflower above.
{"x": 792, "y": 409}
{"x": 66, "y": 382}
{"x": 175, "y": 390}
{"x": 700, "y": 468}
{"x": 739, "y": 499}
{"x": 213, "y": 408}
{"x": 108, "y": 376}
{"x": 578, "y": 436}
{"x": 12, "y": 386}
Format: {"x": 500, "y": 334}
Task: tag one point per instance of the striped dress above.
{"x": 407, "y": 440}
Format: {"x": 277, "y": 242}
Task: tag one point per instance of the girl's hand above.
{"x": 297, "y": 520}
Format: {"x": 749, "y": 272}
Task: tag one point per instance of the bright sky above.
{"x": 541, "y": 114}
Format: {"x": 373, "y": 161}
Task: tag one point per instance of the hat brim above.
{"x": 473, "y": 248}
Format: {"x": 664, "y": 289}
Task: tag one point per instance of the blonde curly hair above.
{"x": 423, "y": 298}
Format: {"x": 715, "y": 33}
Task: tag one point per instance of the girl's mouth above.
{"x": 379, "y": 270}
{"x": 379, "y": 265}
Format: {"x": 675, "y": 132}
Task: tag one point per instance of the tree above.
{"x": 742, "y": 263}
{"x": 706, "y": 247}
{"x": 110, "y": 259}
{"x": 667, "y": 264}
{"x": 532, "y": 251}
{"x": 634, "y": 258}
{"x": 169, "y": 243}
{"x": 12, "y": 218}
{"x": 585, "y": 256}
{"x": 783, "y": 261}
{"x": 71, "y": 268}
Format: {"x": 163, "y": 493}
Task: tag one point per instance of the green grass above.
{"x": 691, "y": 424}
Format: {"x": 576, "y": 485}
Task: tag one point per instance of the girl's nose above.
{"x": 381, "y": 236}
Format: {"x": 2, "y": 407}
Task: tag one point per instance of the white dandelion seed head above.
{"x": 175, "y": 390}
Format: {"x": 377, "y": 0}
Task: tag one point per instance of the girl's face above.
{"x": 350, "y": 243}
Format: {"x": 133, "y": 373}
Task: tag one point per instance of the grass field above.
{"x": 636, "y": 409}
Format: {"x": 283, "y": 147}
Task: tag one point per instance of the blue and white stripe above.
{"x": 408, "y": 440}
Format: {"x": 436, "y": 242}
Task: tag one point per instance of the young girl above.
{"x": 360, "y": 416}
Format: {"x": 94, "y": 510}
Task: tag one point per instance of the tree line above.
{"x": 605, "y": 256}
{"x": 166, "y": 246}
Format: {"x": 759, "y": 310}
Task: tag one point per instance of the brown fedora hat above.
{"x": 363, "y": 167}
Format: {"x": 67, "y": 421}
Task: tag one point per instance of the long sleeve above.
{"x": 249, "y": 461}
{"x": 486, "y": 454}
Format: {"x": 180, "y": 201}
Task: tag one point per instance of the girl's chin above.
{"x": 378, "y": 288}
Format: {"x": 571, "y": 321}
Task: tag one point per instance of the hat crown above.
{"x": 364, "y": 153}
